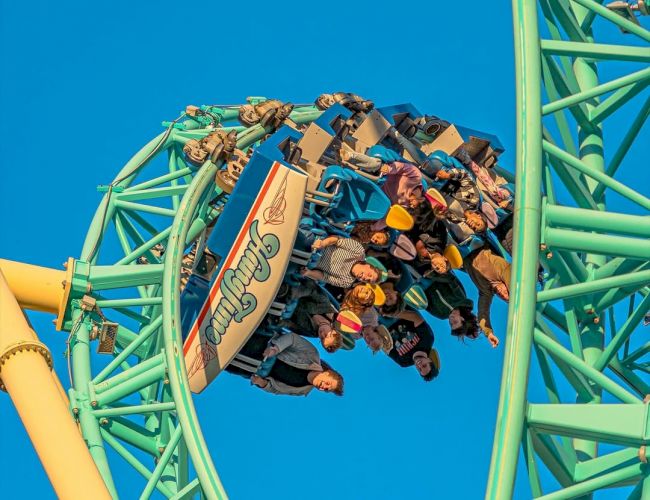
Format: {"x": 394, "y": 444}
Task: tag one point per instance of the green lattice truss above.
{"x": 137, "y": 403}
{"x": 590, "y": 429}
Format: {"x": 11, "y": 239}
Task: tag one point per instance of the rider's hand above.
{"x": 439, "y": 211}
{"x": 271, "y": 351}
{"x": 443, "y": 174}
{"x": 493, "y": 339}
{"x": 344, "y": 154}
{"x": 259, "y": 381}
{"x": 384, "y": 169}
{"x": 317, "y": 244}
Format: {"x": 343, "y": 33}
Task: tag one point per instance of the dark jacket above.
{"x": 445, "y": 294}
{"x": 425, "y": 222}
{"x": 312, "y": 301}
{"x": 296, "y": 354}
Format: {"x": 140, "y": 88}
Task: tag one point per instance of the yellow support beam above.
{"x": 35, "y": 287}
{"x": 26, "y": 374}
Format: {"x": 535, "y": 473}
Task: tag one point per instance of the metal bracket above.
{"x": 107, "y": 337}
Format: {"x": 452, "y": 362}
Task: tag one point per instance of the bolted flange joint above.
{"x": 22, "y": 346}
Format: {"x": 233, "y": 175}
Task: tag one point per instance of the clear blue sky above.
{"x": 84, "y": 86}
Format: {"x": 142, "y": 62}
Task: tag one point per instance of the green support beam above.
{"x": 617, "y": 460}
{"x": 596, "y": 51}
{"x": 604, "y": 179}
{"x": 632, "y": 279}
{"x": 562, "y": 355}
{"x": 611, "y": 479}
{"x": 595, "y": 220}
{"x": 585, "y": 95}
{"x": 581, "y": 241}
{"x": 620, "y": 424}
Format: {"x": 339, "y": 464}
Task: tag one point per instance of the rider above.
{"x": 297, "y": 368}
{"x": 342, "y": 263}
{"x": 491, "y": 275}
{"x": 447, "y": 299}
{"x": 403, "y": 181}
{"x": 413, "y": 346}
{"x": 366, "y": 235}
{"x": 313, "y": 315}
{"x": 377, "y": 338}
{"x": 489, "y": 183}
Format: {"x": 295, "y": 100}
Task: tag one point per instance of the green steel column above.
{"x": 521, "y": 313}
{"x": 590, "y": 139}
{"x": 80, "y": 347}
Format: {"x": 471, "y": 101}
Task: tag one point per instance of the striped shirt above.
{"x": 336, "y": 262}
{"x": 462, "y": 188}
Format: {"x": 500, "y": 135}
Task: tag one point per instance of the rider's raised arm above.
{"x": 485, "y": 297}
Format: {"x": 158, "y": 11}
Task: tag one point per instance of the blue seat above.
{"x": 391, "y": 113}
{"x": 278, "y": 145}
{"x": 469, "y": 245}
{"x": 406, "y": 278}
{"x": 386, "y": 155}
{"x": 355, "y": 197}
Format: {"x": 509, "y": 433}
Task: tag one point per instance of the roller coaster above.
{"x": 265, "y": 165}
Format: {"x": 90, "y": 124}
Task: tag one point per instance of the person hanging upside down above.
{"x": 447, "y": 299}
{"x": 462, "y": 214}
{"x": 314, "y": 315}
{"x": 377, "y": 338}
{"x": 342, "y": 263}
{"x": 413, "y": 346}
{"x": 296, "y": 366}
{"x": 394, "y": 304}
{"x": 366, "y": 235}
{"x": 462, "y": 223}
{"x": 489, "y": 183}
{"x": 491, "y": 275}
{"x": 430, "y": 249}
{"x": 403, "y": 184}
{"x": 359, "y": 299}
{"x": 461, "y": 187}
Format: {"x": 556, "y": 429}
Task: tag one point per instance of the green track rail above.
{"x": 584, "y": 326}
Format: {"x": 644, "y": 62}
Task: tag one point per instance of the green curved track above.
{"x": 138, "y": 402}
